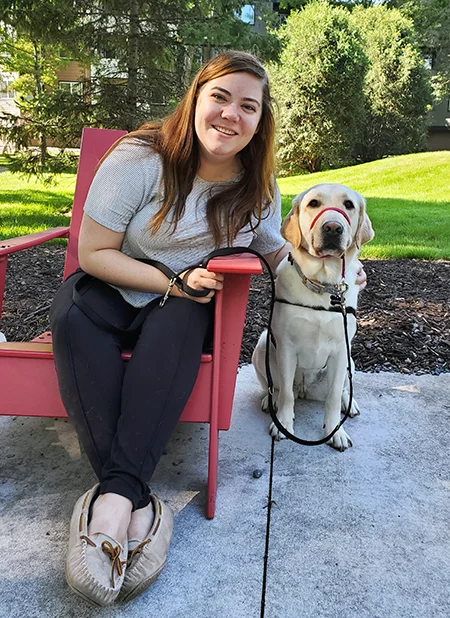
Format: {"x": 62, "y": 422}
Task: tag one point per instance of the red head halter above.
{"x": 342, "y": 212}
{"x": 347, "y": 218}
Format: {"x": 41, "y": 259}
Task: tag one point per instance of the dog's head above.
{"x": 326, "y": 220}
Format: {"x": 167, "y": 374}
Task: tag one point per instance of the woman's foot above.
{"x": 111, "y": 515}
{"x": 140, "y": 523}
{"x": 96, "y": 563}
{"x": 149, "y": 539}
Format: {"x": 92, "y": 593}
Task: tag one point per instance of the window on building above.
{"x": 247, "y": 14}
{"x": 158, "y": 98}
{"x": 276, "y": 9}
{"x": 73, "y": 87}
{"x": 428, "y": 62}
{"x": 5, "y": 90}
{"x": 107, "y": 53}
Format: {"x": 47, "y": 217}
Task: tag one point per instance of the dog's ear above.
{"x": 365, "y": 232}
{"x": 290, "y": 230}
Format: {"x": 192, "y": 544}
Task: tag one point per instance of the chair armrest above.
{"x": 242, "y": 264}
{"x": 12, "y": 245}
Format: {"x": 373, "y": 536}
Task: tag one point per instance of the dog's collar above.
{"x": 319, "y": 288}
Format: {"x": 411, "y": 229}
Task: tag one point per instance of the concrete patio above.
{"x": 360, "y": 534}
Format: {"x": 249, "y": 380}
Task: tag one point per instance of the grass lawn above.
{"x": 28, "y": 206}
{"x": 408, "y": 201}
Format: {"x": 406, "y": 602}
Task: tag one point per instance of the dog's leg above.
{"x": 355, "y": 410}
{"x": 287, "y": 364}
{"x": 336, "y": 368}
{"x": 259, "y": 363}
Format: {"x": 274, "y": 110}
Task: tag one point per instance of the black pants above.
{"x": 125, "y": 412}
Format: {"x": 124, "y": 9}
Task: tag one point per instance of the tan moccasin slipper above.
{"x": 95, "y": 565}
{"x": 147, "y": 559}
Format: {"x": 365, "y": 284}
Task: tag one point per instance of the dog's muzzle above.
{"x": 331, "y": 231}
{"x": 332, "y": 235}
{"x": 339, "y": 210}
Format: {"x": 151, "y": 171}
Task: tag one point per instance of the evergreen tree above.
{"x": 142, "y": 54}
{"x": 396, "y": 89}
{"x": 35, "y": 39}
{"x": 147, "y": 51}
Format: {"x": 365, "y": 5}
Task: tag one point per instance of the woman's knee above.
{"x": 62, "y": 303}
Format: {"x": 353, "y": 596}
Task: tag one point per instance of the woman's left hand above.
{"x": 361, "y": 278}
{"x": 200, "y": 279}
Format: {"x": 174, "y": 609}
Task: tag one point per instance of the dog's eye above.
{"x": 349, "y": 204}
{"x": 313, "y": 203}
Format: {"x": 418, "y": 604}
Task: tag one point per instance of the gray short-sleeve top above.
{"x": 124, "y": 196}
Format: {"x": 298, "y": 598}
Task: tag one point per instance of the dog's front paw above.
{"x": 276, "y": 433}
{"x": 340, "y": 441}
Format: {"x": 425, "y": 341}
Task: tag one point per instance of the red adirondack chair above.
{"x": 28, "y": 383}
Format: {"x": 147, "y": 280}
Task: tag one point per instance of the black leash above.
{"x": 337, "y": 301}
{"x": 337, "y": 305}
{"x": 270, "y": 502}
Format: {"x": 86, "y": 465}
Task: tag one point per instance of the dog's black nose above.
{"x": 332, "y": 228}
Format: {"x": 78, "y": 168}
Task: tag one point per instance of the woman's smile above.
{"x": 224, "y": 130}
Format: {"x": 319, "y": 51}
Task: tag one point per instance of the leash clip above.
{"x": 342, "y": 287}
{"x": 338, "y": 300}
{"x": 167, "y": 294}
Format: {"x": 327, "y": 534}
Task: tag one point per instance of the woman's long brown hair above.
{"x": 174, "y": 138}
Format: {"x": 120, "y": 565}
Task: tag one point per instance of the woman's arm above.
{"x": 275, "y": 257}
{"x": 99, "y": 255}
{"x": 361, "y": 277}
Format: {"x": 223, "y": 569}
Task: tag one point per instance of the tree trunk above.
{"x": 313, "y": 164}
{"x": 133, "y": 64}
{"x": 39, "y": 88}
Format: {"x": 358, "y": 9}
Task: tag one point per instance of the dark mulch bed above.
{"x": 404, "y": 313}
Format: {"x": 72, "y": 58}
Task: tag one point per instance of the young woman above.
{"x": 172, "y": 191}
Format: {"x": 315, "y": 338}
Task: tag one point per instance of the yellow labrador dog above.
{"x": 326, "y": 227}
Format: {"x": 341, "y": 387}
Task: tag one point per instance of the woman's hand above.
{"x": 200, "y": 279}
{"x": 361, "y": 278}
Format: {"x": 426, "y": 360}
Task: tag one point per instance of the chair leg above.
{"x": 3, "y": 264}
{"x": 213, "y": 454}
{"x": 213, "y": 459}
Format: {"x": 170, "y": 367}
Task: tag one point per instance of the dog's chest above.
{"x": 314, "y": 334}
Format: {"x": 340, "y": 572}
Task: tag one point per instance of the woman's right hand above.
{"x": 200, "y": 279}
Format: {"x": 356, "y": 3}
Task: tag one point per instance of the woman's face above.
{"x": 227, "y": 115}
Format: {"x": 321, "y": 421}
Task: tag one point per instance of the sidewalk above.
{"x": 359, "y": 534}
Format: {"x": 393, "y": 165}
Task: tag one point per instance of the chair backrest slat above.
{"x": 94, "y": 144}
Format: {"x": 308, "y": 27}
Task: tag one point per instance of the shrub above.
{"x": 396, "y": 89}
{"x": 319, "y": 87}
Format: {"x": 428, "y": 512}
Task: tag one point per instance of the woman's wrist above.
{"x": 175, "y": 291}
